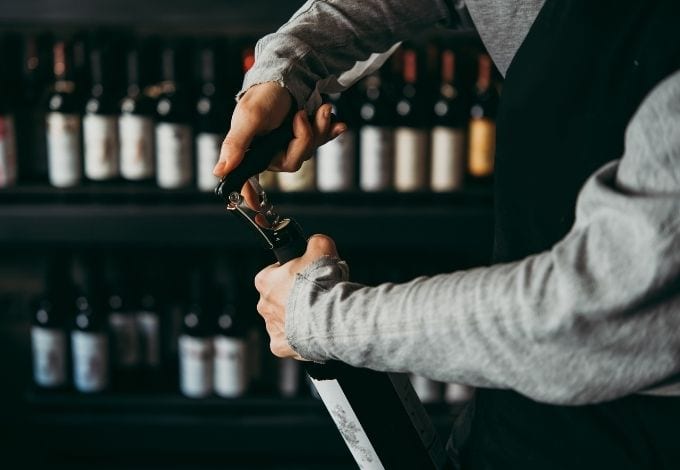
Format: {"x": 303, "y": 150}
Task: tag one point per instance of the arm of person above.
{"x": 592, "y": 319}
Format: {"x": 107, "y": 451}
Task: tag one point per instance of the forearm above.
{"x": 328, "y": 45}
{"x": 592, "y": 319}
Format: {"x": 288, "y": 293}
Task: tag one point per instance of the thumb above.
{"x": 319, "y": 246}
{"x": 235, "y": 145}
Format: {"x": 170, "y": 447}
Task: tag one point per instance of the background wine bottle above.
{"x": 482, "y": 132}
{"x": 9, "y": 89}
{"x": 89, "y": 338}
{"x": 100, "y": 120}
{"x": 411, "y": 136}
{"x": 196, "y": 345}
{"x": 174, "y": 166}
{"x": 149, "y": 329}
{"x": 136, "y": 124}
{"x": 48, "y": 331}
{"x": 335, "y": 160}
{"x": 63, "y": 122}
{"x": 448, "y": 149}
{"x": 376, "y": 135}
{"x": 231, "y": 363}
{"x": 213, "y": 114}
{"x": 300, "y": 181}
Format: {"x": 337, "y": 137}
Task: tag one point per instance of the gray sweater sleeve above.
{"x": 595, "y": 318}
{"x": 329, "y": 44}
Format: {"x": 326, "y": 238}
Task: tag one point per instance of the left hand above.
{"x": 274, "y": 284}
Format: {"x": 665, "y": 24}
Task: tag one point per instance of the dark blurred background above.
{"x": 128, "y": 331}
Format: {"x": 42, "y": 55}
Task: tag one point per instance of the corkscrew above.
{"x": 282, "y": 235}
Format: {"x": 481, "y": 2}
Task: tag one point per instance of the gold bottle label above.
{"x": 482, "y": 147}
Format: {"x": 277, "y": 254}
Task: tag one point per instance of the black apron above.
{"x": 575, "y": 83}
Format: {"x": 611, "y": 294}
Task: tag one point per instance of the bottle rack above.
{"x": 165, "y": 428}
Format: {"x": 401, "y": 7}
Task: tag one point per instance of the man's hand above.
{"x": 262, "y": 109}
{"x": 274, "y": 284}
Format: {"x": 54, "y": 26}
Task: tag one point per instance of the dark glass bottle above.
{"x": 173, "y": 136}
{"x": 196, "y": 348}
{"x": 9, "y": 89}
{"x": 411, "y": 136}
{"x": 482, "y": 132}
{"x": 136, "y": 121}
{"x": 213, "y": 113}
{"x": 448, "y": 133}
{"x": 376, "y": 149}
{"x": 63, "y": 119}
{"x": 100, "y": 121}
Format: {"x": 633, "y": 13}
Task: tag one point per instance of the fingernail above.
{"x": 327, "y": 112}
{"x": 340, "y": 130}
{"x": 218, "y": 168}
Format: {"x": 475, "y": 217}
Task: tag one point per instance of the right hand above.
{"x": 262, "y": 109}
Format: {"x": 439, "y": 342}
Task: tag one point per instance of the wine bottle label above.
{"x": 148, "y": 326}
{"x": 289, "y": 377}
{"x": 348, "y": 424}
{"x": 376, "y": 147}
{"x": 207, "y": 153}
{"x": 458, "y": 393}
{"x": 448, "y": 159}
{"x": 335, "y": 164}
{"x": 8, "y": 156}
{"x": 125, "y": 339}
{"x": 482, "y": 147}
{"x": 410, "y": 159}
{"x": 268, "y": 180}
{"x": 427, "y": 390}
{"x": 136, "y": 147}
{"x": 49, "y": 356}
{"x": 63, "y": 149}
{"x": 301, "y": 180}
{"x": 231, "y": 373}
{"x": 101, "y": 146}
{"x": 173, "y": 155}
{"x": 195, "y": 366}
{"x": 90, "y": 361}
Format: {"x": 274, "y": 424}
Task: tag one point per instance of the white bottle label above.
{"x": 458, "y": 393}
{"x": 301, "y": 180}
{"x": 448, "y": 159}
{"x": 8, "y": 156}
{"x": 207, "y": 153}
{"x": 427, "y": 390}
{"x": 335, "y": 164}
{"x": 148, "y": 325}
{"x": 63, "y": 149}
{"x": 376, "y": 156}
{"x": 90, "y": 361}
{"x": 231, "y": 373}
{"x": 268, "y": 180}
{"x": 49, "y": 356}
{"x": 136, "y": 147}
{"x": 195, "y": 366}
{"x": 125, "y": 339}
{"x": 410, "y": 159}
{"x": 289, "y": 377}
{"x": 173, "y": 155}
{"x": 101, "y": 146}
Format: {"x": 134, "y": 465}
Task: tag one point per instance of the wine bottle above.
{"x": 196, "y": 344}
{"x": 174, "y": 167}
{"x": 231, "y": 371}
{"x": 335, "y": 160}
{"x": 63, "y": 122}
{"x": 299, "y": 181}
{"x": 149, "y": 329}
{"x": 411, "y": 135}
{"x": 448, "y": 133}
{"x": 100, "y": 120}
{"x": 89, "y": 339}
{"x": 122, "y": 324}
{"x": 213, "y": 112}
{"x": 8, "y": 157}
{"x": 135, "y": 124}
{"x": 376, "y": 136}
{"x": 48, "y": 332}
{"x": 482, "y": 132}
{"x": 289, "y": 377}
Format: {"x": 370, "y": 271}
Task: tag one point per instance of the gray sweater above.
{"x": 594, "y": 318}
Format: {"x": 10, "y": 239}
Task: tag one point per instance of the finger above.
{"x": 262, "y": 278}
{"x": 320, "y": 245}
{"x": 302, "y": 145}
{"x": 244, "y": 127}
{"x": 322, "y": 124}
